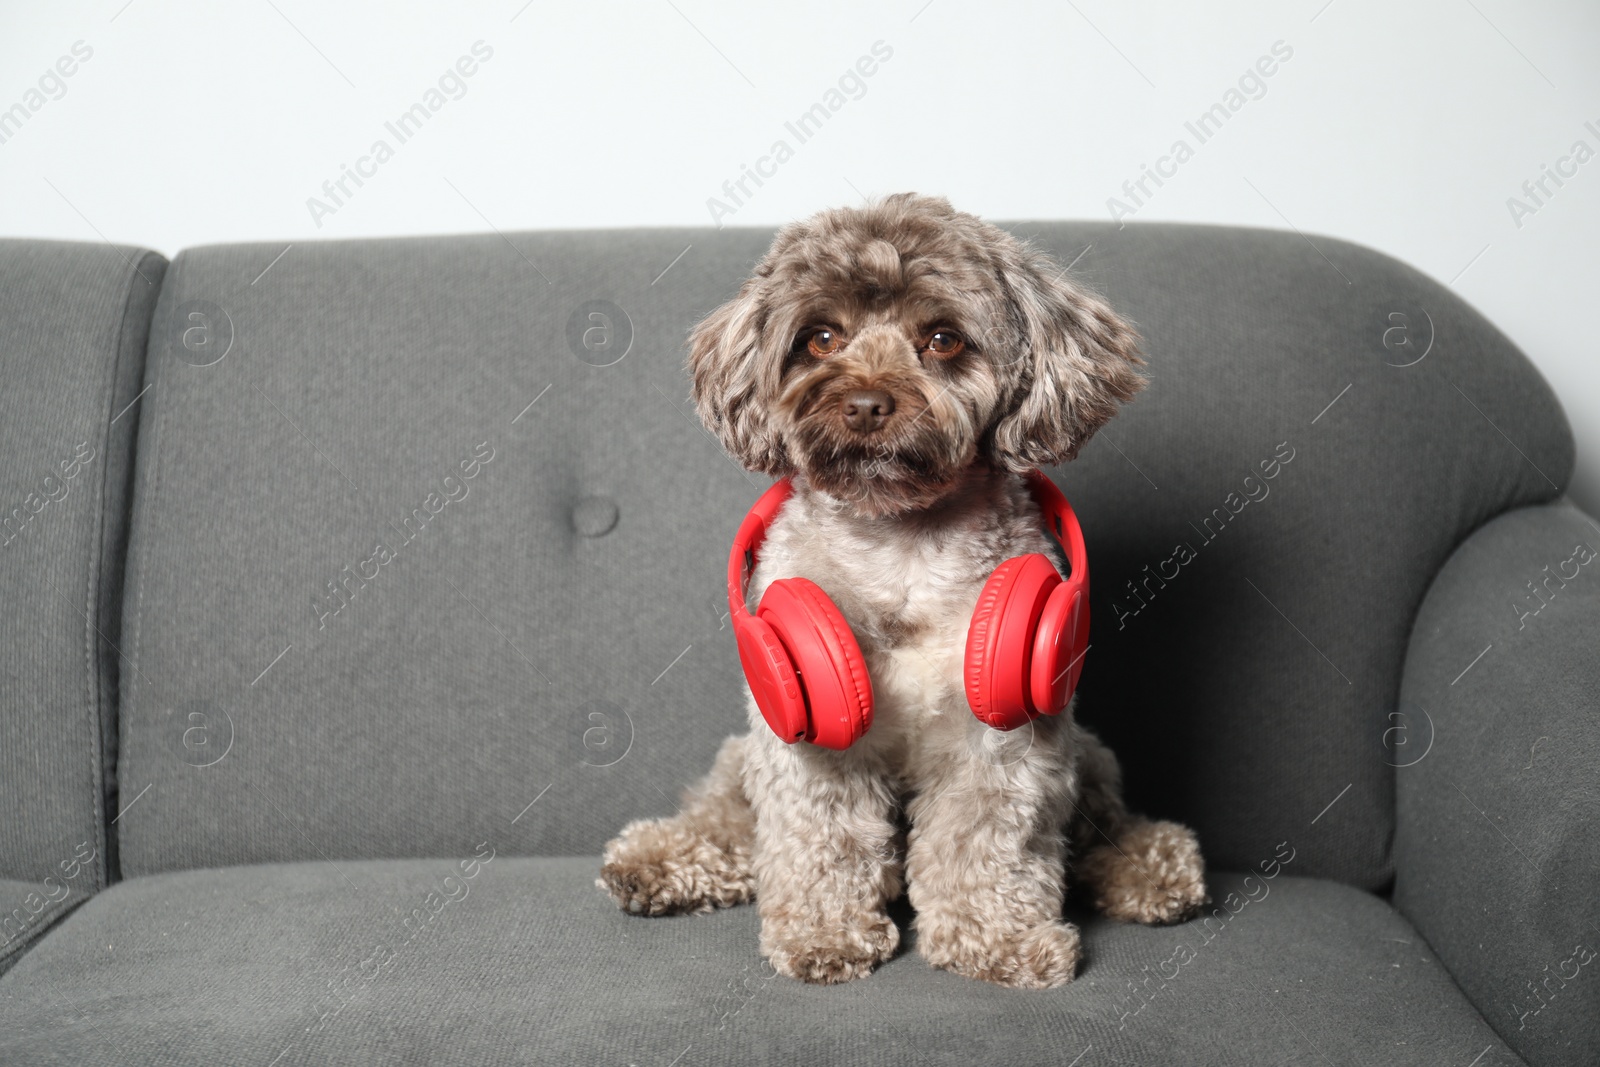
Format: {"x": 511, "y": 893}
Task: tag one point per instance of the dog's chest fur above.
{"x": 907, "y": 585}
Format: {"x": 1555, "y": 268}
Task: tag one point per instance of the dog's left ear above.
{"x": 1075, "y": 360}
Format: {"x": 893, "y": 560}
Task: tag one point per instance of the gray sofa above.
{"x": 356, "y": 593}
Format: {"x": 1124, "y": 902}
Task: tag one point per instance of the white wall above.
{"x": 1405, "y": 126}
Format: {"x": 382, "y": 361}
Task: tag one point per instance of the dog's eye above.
{"x": 944, "y": 344}
{"x": 823, "y": 342}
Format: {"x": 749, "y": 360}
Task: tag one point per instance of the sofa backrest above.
{"x": 73, "y": 324}
{"x": 428, "y": 543}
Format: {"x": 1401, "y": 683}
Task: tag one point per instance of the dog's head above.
{"x": 881, "y": 351}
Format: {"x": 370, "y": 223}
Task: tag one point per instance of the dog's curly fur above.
{"x": 901, "y": 520}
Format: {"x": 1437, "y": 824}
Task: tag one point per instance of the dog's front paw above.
{"x": 657, "y": 868}
{"x": 828, "y": 956}
{"x": 1153, "y": 874}
{"x": 1042, "y": 957}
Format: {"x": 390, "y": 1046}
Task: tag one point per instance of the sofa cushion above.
{"x": 427, "y": 533}
{"x": 73, "y": 326}
{"x": 488, "y": 959}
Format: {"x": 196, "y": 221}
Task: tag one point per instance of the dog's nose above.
{"x": 866, "y": 410}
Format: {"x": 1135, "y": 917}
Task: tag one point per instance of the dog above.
{"x": 904, "y": 364}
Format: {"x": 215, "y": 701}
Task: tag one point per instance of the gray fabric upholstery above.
{"x": 527, "y": 963}
{"x": 73, "y": 326}
{"x": 1497, "y": 856}
{"x": 557, "y": 633}
{"x": 28, "y": 909}
{"x": 425, "y": 550}
{"x": 1253, "y": 687}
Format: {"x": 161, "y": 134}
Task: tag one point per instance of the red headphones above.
{"x": 1025, "y": 643}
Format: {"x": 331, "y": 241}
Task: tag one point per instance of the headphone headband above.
{"x": 1061, "y": 523}
{"x": 752, "y": 532}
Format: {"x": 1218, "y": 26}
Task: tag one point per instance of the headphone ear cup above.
{"x": 771, "y": 674}
{"x": 832, "y": 673}
{"x": 1080, "y": 641}
{"x": 1000, "y": 640}
{"x": 1053, "y": 672}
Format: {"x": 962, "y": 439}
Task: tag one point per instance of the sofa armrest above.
{"x": 1496, "y": 744}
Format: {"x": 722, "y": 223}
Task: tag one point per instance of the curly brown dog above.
{"x": 904, "y": 364}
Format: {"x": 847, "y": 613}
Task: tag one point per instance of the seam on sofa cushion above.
{"x": 144, "y": 507}
{"x": 107, "y": 688}
{"x": 92, "y": 629}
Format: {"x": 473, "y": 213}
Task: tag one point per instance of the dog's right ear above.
{"x": 1078, "y": 361}
{"x": 728, "y": 380}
